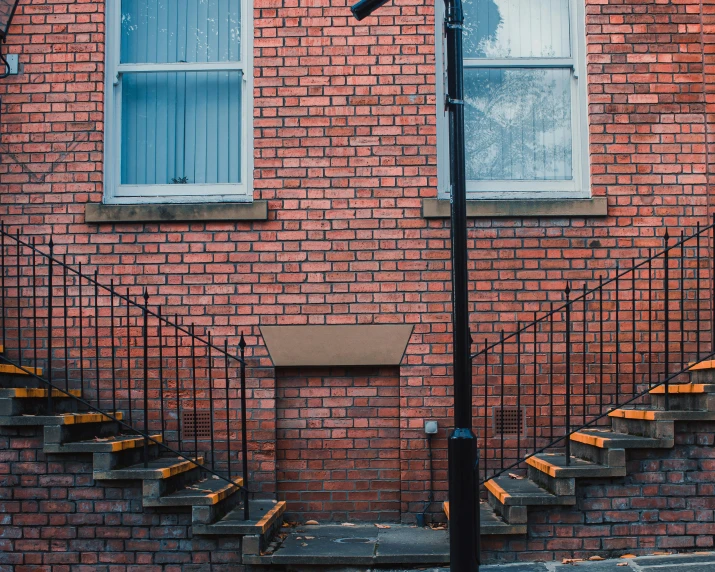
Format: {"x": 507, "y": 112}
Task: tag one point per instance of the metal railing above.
{"x": 600, "y": 348}
{"x": 112, "y": 352}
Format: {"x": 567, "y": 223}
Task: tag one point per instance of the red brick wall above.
{"x": 337, "y": 440}
{"x": 345, "y": 152}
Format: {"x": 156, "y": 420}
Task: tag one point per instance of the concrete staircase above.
{"x": 598, "y": 453}
{"x": 169, "y": 482}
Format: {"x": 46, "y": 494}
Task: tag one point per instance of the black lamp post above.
{"x": 463, "y": 459}
{"x": 7, "y": 11}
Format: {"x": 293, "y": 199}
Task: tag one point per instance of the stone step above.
{"x": 100, "y": 445}
{"x": 35, "y": 393}
{"x": 33, "y": 401}
{"x": 688, "y": 388}
{"x": 157, "y": 469}
{"x": 608, "y": 439}
{"x": 490, "y": 523}
{"x": 685, "y": 397}
{"x": 659, "y": 415}
{"x": 263, "y": 515}
{"x": 703, "y": 372}
{"x": 7, "y": 369}
{"x": 64, "y": 419}
{"x": 524, "y": 492}
{"x": 510, "y": 497}
{"x": 555, "y": 467}
{"x": 608, "y": 448}
{"x": 205, "y": 493}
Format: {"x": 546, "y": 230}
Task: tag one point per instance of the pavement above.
{"x": 701, "y": 562}
{"x": 399, "y": 548}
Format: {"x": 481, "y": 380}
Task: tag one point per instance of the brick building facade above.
{"x": 346, "y": 225}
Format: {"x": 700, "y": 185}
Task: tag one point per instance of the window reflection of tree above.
{"x": 518, "y": 120}
{"x": 518, "y": 123}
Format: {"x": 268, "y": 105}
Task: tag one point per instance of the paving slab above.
{"x": 329, "y": 545}
{"x": 408, "y": 545}
{"x": 648, "y": 562}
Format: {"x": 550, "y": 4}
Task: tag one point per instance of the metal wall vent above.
{"x": 508, "y": 421}
{"x": 203, "y": 424}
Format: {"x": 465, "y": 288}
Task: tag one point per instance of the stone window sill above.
{"x": 594, "y": 207}
{"x": 96, "y": 213}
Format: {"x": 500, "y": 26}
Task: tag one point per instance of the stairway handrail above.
{"x": 601, "y": 416}
{"x": 127, "y": 299}
{"x": 139, "y": 432}
{"x": 700, "y": 230}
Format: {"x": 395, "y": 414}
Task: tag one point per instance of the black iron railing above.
{"x": 112, "y": 352}
{"x": 601, "y": 347}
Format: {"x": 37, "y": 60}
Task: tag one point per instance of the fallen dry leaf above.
{"x": 348, "y": 524}
{"x": 304, "y": 544}
{"x": 662, "y": 553}
{"x": 310, "y": 537}
{"x": 571, "y": 560}
{"x": 515, "y": 476}
{"x": 622, "y": 564}
{"x": 596, "y": 558}
{"x": 381, "y": 525}
{"x": 312, "y": 522}
{"x": 215, "y": 477}
{"x": 299, "y": 538}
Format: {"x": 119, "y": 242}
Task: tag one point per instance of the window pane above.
{"x": 171, "y": 31}
{"x": 519, "y": 124}
{"x": 181, "y": 128}
{"x": 516, "y": 29}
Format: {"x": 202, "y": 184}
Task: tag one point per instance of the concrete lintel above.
{"x": 368, "y": 344}
{"x": 594, "y": 207}
{"x": 101, "y": 213}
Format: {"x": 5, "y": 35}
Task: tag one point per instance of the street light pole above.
{"x": 464, "y": 525}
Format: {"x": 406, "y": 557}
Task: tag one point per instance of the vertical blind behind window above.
{"x": 181, "y": 127}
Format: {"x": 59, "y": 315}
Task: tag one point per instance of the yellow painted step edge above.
{"x": 12, "y": 370}
{"x": 633, "y": 414}
{"x": 133, "y": 444}
{"x": 223, "y": 493}
{"x": 32, "y": 393}
{"x": 494, "y": 488}
{"x": 542, "y": 465}
{"x": 709, "y": 364}
{"x": 688, "y": 388}
{"x": 77, "y": 418}
{"x": 167, "y": 472}
{"x": 587, "y": 439}
{"x": 445, "y": 507}
{"x": 277, "y": 510}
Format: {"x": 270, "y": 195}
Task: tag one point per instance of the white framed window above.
{"x": 525, "y": 100}
{"x": 179, "y": 101}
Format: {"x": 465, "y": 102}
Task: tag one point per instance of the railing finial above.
{"x": 242, "y": 342}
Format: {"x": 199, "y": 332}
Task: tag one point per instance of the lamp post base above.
{"x": 463, "y": 501}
